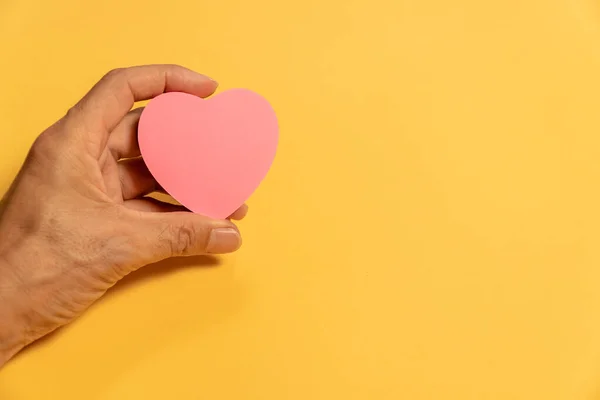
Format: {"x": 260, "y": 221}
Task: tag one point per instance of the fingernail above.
{"x": 223, "y": 240}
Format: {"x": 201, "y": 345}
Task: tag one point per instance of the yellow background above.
{"x": 430, "y": 229}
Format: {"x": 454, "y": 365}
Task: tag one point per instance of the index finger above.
{"x": 114, "y": 95}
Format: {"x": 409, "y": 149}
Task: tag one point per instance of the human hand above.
{"x": 76, "y": 219}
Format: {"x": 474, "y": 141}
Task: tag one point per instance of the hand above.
{"x": 77, "y": 219}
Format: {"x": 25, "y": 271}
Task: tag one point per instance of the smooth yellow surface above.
{"x": 430, "y": 229}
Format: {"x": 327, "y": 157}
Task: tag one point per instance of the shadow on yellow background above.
{"x": 429, "y": 230}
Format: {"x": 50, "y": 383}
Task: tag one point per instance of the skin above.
{"x": 76, "y": 219}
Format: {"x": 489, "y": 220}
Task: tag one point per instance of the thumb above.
{"x": 174, "y": 234}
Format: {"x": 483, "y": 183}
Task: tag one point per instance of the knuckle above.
{"x": 173, "y": 67}
{"x": 115, "y": 73}
{"x": 44, "y": 144}
{"x": 72, "y": 112}
{"x": 184, "y": 239}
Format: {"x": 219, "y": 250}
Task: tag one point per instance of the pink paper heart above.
{"x": 212, "y": 154}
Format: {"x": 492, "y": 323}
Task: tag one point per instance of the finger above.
{"x": 240, "y": 213}
{"x": 136, "y": 179}
{"x": 149, "y": 204}
{"x": 112, "y": 97}
{"x": 123, "y": 140}
{"x": 173, "y": 234}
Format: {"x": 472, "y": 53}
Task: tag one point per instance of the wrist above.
{"x": 13, "y": 336}
{"x": 11, "y": 339}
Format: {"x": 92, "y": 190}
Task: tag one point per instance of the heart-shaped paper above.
{"x": 209, "y": 154}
